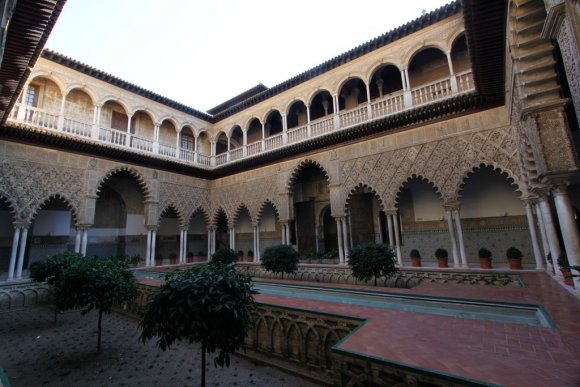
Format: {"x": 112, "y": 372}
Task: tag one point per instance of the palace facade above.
{"x": 458, "y": 130}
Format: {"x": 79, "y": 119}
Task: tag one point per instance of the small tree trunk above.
{"x": 99, "y": 336}
{"x": 202, "y": 365}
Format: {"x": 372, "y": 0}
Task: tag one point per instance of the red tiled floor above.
{"x": 505, "y": 354}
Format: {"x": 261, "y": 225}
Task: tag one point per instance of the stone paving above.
{"x": 34, "y": 351}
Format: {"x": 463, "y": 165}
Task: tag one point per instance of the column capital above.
{"x": 452, "y": 206}
{"x": 21, "y": 224}
{"x": 151, "y": 227}
{"x": 530, "y": 199}
{"x": 391, "y": 211}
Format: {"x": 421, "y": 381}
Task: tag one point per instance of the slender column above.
{"x": 533, "y": 235}
{"x": 288, "y": 239}
{"x": 407, "y": 95}
{"x": 21, "y": 252}
{"x": 345, "y": 238}
{"x": 84, "y": 240}
{"x": 153, "y": 242}
{"x": 78, "y": 240}
{"x": 232, "y": 238}
{"x": 308, "y": 127}
{"x": 209, "y": 234}
{"x": 180, "y": 245}
{"x": 403, "y": 82}
{"x": 15, "y": 240}
{"x": 96, "y": 122}
{"x": 453, "y": 241}
{"x": 397, "y": 239}
{"x": 568, "y": 227}
{"x": 349, "y": 228}
{"x": 457, "y": 219}
{"x": 61, "y": 114}
{"x": 551, "y": 234}
{"x": 340, "y": 241}
{"x": 284, "y": 234}
{"x": 452, "y": 78}
{"x": 390, "y": 229}
{"x": 379, "y": 239}
{"x": 148, "y": 249}
{"x": 254, "y": 242}
{"x": 128, "y": 136}
{"x": 257, "y": 254}
{"x": 284, "y": 129}
{"x": 545, "y": 245}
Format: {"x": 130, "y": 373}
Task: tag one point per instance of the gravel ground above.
{"x": 34, "y": 351}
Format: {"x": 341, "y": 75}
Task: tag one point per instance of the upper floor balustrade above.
{"x": 205, "y": 152}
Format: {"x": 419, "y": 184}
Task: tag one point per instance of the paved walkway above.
{"x": 504, "y": 354}
{"x": 36, "y": 352}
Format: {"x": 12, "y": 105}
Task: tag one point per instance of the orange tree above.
{"x": 212, "y": 305}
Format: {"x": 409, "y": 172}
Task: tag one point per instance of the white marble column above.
{"x": 340, "y": 241}
{"x": 545, "y": 245}
{"x": 284, "y": 234}
{"x": 21, "y": 251}
{"x": 15, "y": 240}
{"x": 84, "y": 241}
{"x": 288, "y": 238}
{"x": 453, "y": 240}
{"x": 153, "y": 242}
{"x": 395, "y": 218}
{"x": 148, "y": 249}
{"x": 181, "y": 246}
{"x": 568, "y": 227}
{"x": 345, "y": 239}
{"x": 78, "y": 240}
{"x": 553, "y": 242}
{"x": 533, "y": 235}
{"x": 209, "y": 236}
{"x": 257, "y": 254}
{"x": 390, "y": 229}
{"x": 459, "y": 230}
{"x": 232, "y": 238}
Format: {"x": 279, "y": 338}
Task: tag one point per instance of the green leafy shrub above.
{"x": 372, "y": 260}
{"x": 441, "y": 253}
{"x": 51, "y": 268}
{"x": 224, "y": 257}
{"x": 280, "y": 259}
{"x": 484, "y": 253}
{"x": 212, "y": 305}
{"x": 415, "y": 253}
{"x": 513, "y": 253}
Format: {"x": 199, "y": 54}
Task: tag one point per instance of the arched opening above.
{"x": 254, "y": 133}
{"x": 297, "y": 115}
{"x": 244, "y": 232}
{"x": 352, "y": 93}
{"x": 321, "y": 105}
{"x": 78, "y": 113}
{"x": 52, "y": 231}
{"x": 222, "y": 239}
{"x": 386, "y": 80}
{"x": 6, "y": 233}
{"x": 167, "y": 138}
{"x": 329, "y": 231}
{"x": 422, "y": 218}
{"x": 187, "y": 143}
{"x": 273, "y": 123}
{"x": 221, "y": 144}
{"x": 114, "y": 116}
{"x": 119, "y": 223}
{"x": 270, "y": 228}
{"x": 427, "y": 66}
{"x": 197, "y": 236}
{"x": 490, "y": 204}
{"x": 460, "y": 55}
{"x": 203, "y": 144}
{"x": 41, "y": 102}
{"x": 236, "y": 138}
{"x": 365, "y": 222}
{"x": 143, "y": 131}
{"x": 167, "y": 244}
{"x": 310, "y": 194}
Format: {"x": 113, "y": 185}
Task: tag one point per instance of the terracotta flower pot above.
{"x": 568, "y": 281}
{"x": 485, "y": 263}
{"x": 515, "y": 263}
{"x": 442, "y": 262}
{"x": 416, "y": 262}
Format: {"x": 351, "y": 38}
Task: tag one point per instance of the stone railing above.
{"x": 14, "y": 296}
{"x": 378, "y": 108}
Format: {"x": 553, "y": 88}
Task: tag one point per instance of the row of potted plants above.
{"x": 513, "y": 255}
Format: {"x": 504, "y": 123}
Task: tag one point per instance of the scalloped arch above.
{"x": 263, "y": 206}
{"x": 300, "y": 166}
{"x": 141, "y": 181}
{"x": 177, "y": 210}
{"x": 66, "y": 200}
{"x": 417, "y": 177}
{"x": 10, "y": 203}
{"x": 363, "y": 185}
{"x": 507, "y": 174}
{"x": 200, "y": 210}
{"x": 238, "y": 211}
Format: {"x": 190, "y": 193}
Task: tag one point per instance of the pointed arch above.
{"x": 263, "y": 206}
{"x": 420, "y": 178}
{"x": 370, "y": 190}
{"x": 510, "y": 177}
{"x": 178, "y": 212}
{"x": 200, "y": 210}
{"x": 69, "y": 203}
{"x": 238, "y": 211}
{"x": 217, "y": 213}
{"x": 141, "y": 181}
{"x": 9, "y": 203}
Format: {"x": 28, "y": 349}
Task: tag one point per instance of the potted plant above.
{"x": 442, "y": 255}
{"x": 240, "y": 256}
{"x": 200, "y": 257}
{"x": 565, "y": 269}
{"x": 484, "y": 258}
{"x": 134, "y": 260}
{"x": 173, "y": 258}
{"x": 159, "y": 260}
{"x": 189, "y": 257}
{"x": 250, "y": 256}
{"x": 319, "y": 255}
{"x": 332, "y": 256}
{"x": 514, "y": 257}
{"x": 415, "y": 258}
